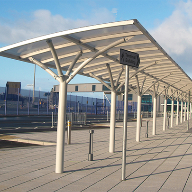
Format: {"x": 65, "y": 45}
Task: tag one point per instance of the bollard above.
{"x": 90, "y": 155}
{"x": 52, "y": 121}
{"x": 69, "y": 133}
{"x": 134, "y": 115}
{"x": 168, "y": 122}
{"x": 146, "y": 135}
{"x": 141, "y": 119}
{"x": 107, "y": 116}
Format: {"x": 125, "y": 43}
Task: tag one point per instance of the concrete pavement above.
{"x": 157, "y": 163}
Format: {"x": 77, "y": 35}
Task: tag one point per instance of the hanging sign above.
{"x": 129, "y": 58}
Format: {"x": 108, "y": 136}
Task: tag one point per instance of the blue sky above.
{"x": 169, "y": 22}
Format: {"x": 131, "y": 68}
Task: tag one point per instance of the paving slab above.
{"x": 159, "y": 162}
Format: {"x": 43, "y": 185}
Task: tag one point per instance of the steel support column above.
{"x": 185, "y": 112}
{"x": 181, "y": 119}
{"x": 154, "y": 114}
{"x": 172, "y": 108}
{"x": 165, "y": 113}
{"x": 138, "y": 118}
{"x": 188, "y": 110}
{"x": 177, "y": 120}
{"x": 61, "y": 127}
{"x": 112, "y": 122}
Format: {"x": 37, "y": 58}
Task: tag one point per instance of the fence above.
{"x": 45, "y": 105}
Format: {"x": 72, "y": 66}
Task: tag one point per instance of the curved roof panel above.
{"x": 98, "y": 48}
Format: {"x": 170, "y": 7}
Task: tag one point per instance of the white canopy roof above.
{"x": 94, "y": 51}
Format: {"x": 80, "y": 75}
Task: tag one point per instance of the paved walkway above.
{"x": 158, "y": 163}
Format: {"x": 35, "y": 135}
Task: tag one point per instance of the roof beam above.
{"x": 45, "y": 68}
{"x": 117, "y": 80}
{"x": 143, "y": 83}
{"x": 138, "y": 88}
{"x": 155, "y": 83}
{"x": 73, "y": 63}
{"x": 97, "y": 78}
{"x": 168, "y": 87}
{"x": 137, "y": 71}
{"x": 99, "y": 52}
{"x": 49, "y": 42}
{"x": 110, "y": 76}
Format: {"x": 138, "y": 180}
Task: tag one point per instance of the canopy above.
{"x": 94, "y": 51}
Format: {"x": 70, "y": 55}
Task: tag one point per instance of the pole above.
{"x": 48, "y": 103}
{"x": 90, "y": 155}
{"x": 52, "y": 121}
{"x": 154, "y": 114}
{"x": 181, "y": 119}
{"x": 172, "y": 108}
{"x": 112, "y": 122}
{"x": 125, "y": 122}
{"x": 29, "y": 102}
{"x": 177, "y": 120}
{"x": 69, "y": 133}
{"x": 61, "y": 127}
{"x": 188, "y": 110}
{"x": 34, "y": 84}
{"x": 18, "y": 103}
{"x": 138, "y": 118}
{"x": 165, "y": 112}
{"x": 38, "y": 102}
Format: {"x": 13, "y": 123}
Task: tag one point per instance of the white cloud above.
{"x": 175, "y": 33}
{"x": 43, "y": 22}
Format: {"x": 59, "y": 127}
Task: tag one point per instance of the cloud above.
{"x": 174, "y": 34}
{"x": 43, "y": 22}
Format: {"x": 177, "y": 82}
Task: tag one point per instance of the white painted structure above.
{"x": 94, "y": 51}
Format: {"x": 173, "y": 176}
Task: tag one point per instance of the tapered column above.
{"x": 112, "y": 123}
{"x": 154, "y": 115}
{"x": 61, "y": 127}
{"x": 185, "y": 112}
{"x": 165, "y": 113}
{"x": 188, "y": 110}
{"x": 138, "y": 118}
{"x": 177, "y": 117}
{"x": 181, "y": 119}
{"x": 172, "y": 107}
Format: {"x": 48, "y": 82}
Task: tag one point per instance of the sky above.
{"x": 168, "y": 21}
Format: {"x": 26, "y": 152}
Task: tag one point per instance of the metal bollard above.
{"x": 90, "y": 155}
{"x": 168, "y": 122}
{"x": 69, "y": 133}
{"x": 146, "y": 135}
{"x": 52, "y": 121}
{"x": 107, "y": 116}
{"x": 141, "y": 119}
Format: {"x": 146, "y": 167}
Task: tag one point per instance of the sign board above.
{"x": 129, "y": 58}
{"x": 12, "y": 87}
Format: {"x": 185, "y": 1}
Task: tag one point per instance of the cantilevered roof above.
{"x": 94, "y": 51}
